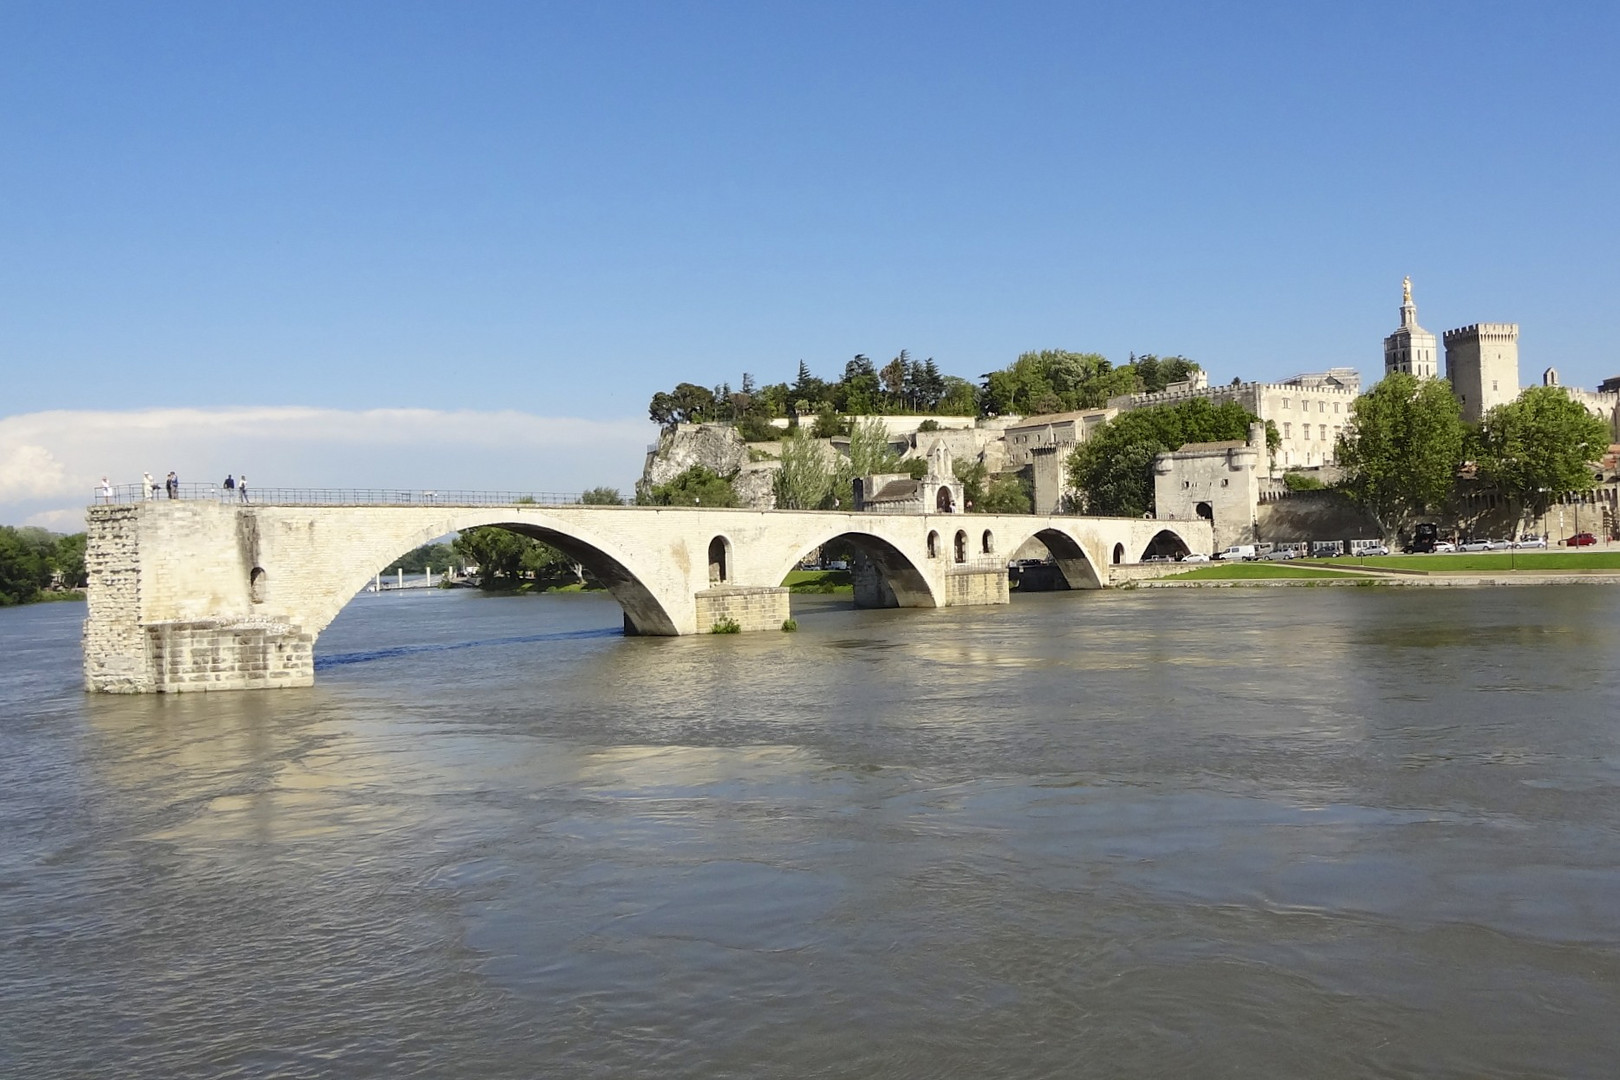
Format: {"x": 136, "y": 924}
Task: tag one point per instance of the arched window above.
{"x": 933, "y": 545}
{"x": 719, "y": 560}
{"x": 1119, "y": 554}
{"x": 987, "y": 543}
{"x": 943, "y": 501}
{"x": 258, "y": 585}
{"x": 961, "y": 546}
{"x": 1205, "y": 511}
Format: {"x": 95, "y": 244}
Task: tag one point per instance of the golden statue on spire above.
{"x": 1406, "y": 289}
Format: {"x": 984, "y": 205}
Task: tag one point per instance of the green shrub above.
{"x": 726, "y": 626}
{"x": 789, "y": 625}
{"x": 1296, "y": 481}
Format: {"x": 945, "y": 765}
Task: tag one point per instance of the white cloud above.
{"x": 62, "y": 521}
{"x": 50, "y": 462}
{"x": 28, "y": 470}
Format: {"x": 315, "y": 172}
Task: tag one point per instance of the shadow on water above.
{"x": 322, "y": 663}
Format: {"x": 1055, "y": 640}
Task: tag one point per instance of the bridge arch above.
{"x": 1166, "y": 543}
{"x": 1077, "y": 565}
{"x": 625, "y": 580}
{"x": 900, "y": 581}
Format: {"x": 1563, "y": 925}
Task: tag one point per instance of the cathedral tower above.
{"x": 1411, "y": 349}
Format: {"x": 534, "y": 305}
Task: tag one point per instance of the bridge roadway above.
{"x": 201, "y": 595}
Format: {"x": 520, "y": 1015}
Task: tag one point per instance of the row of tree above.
{"x": 1051, "y": 380}
{"x": 33, "y": 561}
{"x": 1407, "y": 447}
{"x": 1405, "y": 451}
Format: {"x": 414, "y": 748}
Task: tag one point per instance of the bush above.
{"x": 928, "y": 425}
{"x": 726, "y": 626}
{"x": 755, "y": 428}
{"x": 790, "y": 625}
{"x": 1297, "y": 481}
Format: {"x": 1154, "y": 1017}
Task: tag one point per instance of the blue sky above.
{"x": 561, "y": 208}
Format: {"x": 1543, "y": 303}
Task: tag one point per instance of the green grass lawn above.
{"x": 1254, "y": 571}
{"x": 1493, "y": 562}
{"x": 819, "y": 581}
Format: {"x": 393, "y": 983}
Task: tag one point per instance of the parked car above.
{"x": 1236, "y": 552}
{"x": 1444, "y": 545}
{"x": 1195, "y": 556}
{"x": 1281, "y": 554}
{"x": 1474, "y": 545}
{"x": 1531, "y": 540}
{"x": 1579, "y": 540}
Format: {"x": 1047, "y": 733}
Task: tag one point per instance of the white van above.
{"x": 1239, "y": 552}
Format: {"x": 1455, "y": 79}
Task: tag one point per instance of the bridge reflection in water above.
{"x": 203, "y": 593}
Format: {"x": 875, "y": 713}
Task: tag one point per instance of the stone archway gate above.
{"x": 197, "y": 595}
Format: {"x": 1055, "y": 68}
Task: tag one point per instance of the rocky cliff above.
{"x": 718, "y": 448}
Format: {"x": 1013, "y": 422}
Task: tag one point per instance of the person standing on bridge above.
{"x": 241, "y": 487}
{"x": 229, "y": 488}
{"x": 172, "y": 484}
{"x": 106, "y": 490}
{"x": 148, "y": 486}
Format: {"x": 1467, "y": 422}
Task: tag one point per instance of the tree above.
{"x": 1004, "y": 494}
{"x": 1113, "y": 469}
{"x": 869, "y": 449}
{"x": 420, "y": 559}
{"x": 1055, "y": 380}
{"x": 498, "y": 554}
{"x": 688, "y": 403}
{"x": 1540, "y": 448}
{"x": 828, "y": 423}
{"x": 960, "y": 398}
{"x": 971, "y": 475}
{"x": 697, "y": 486}
{"x": 804, "y": 482}
{"x": 1153, "y": 374}
{"x": 602, "y": 496}
{"x": 1401, "y": 449}
{"x": 67, "y": 560}
{"x": 25, "y": 566}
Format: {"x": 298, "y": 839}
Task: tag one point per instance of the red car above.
{"x": 1579, "y": 540}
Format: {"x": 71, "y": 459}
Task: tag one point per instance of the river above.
{"x": 1226, "y": 833}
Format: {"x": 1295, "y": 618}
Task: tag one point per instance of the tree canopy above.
{"x": 1050, "y": 380}
{"x": 697, "y": 486}
{"x": 1401, "y": 448}
{"x": 504, "y": 558}
{"x": 1539, "y": 448}
{"x": 1054, "y": 380}
{"x": 1113, "y": 469}
{"x": 32, "y": 560}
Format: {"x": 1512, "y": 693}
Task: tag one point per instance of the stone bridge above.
{"x": 199, "y": 595}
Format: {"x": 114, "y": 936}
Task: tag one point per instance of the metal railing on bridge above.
{"x": 278, "y": 496}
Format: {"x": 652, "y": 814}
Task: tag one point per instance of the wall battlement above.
{"x": 1483, "y": 332}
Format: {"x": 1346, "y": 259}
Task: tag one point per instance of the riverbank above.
{"x": 1329, "y": 573}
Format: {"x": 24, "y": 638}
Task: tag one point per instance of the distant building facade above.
{"x": 1310, "y": 411}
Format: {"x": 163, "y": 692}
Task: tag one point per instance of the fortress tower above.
{"x": 1482, "y": 362}
{"x": 1411, "y": 349}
